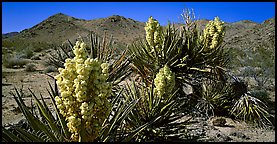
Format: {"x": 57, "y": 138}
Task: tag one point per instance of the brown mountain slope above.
{"x": 123, "y": 29}
{"x": 60, "y": 27}
{"x": 55, "y": 29}
{"x": 247, "y": 34}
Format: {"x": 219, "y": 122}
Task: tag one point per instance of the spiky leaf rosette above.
{"x": 48, "y": 126}
{"x": 158, "y": 106}
{"x": 214, "y": 99}
{"x": 251, "y": 109}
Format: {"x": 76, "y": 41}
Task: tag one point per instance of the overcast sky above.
{"x": 17, "y": 16}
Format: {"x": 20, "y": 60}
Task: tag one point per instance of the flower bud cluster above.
{"x": 84, "y": 92}
{"x": 164, "y": 81}
{"x": 153, "y": 32}
{"x": 214, "y": 32}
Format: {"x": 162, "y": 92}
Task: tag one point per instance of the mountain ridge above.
{"x": 59, "y": 27}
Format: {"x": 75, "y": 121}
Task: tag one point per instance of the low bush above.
{"x": 14, "y": 62}
{"x": 30, "y": 67}
{"x": 36, "y": 57}
{"x": 28, "y": 53}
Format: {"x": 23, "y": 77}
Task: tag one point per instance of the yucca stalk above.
{"x": 85, "y": 87}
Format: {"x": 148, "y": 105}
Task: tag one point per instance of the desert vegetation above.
{"x": 148, "y": 91}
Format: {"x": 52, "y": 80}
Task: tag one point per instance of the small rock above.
{"x": 239, "y": 135}
{"x": 219, "y": 122}
{"x": 222, "y": 137}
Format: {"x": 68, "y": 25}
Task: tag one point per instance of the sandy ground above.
{"x": 38, "y": 82}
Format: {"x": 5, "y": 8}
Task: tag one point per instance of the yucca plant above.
{"x": 194, "y": 57}
{"x": 160, "y": 113}
{"x": 45, "y": 126}
{"x": 87, "y": 84}
{"x": 102, "y": 49}
{"x": 247, "y": 107}
{"x": 161, "y": 106}
{"x": 49, "y": 126}
{"x": 190, "y": 53}
{"x": 252, "y": 110}
{"x": 233, "y": 99}
{"x": 215, "y": 98}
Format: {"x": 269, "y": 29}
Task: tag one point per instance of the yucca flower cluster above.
{"x": 153, "y": 32}
{"x": 84, "y": 90}
{"x": 214, "y": 32}
{"x": 164, "y": 81}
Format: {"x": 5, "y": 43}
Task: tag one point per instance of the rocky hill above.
{"x": 248, "y": 34}
{"x": 60, "y": 27}
{"x": 11, "y": 34}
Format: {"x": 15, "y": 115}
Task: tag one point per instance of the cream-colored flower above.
{"x": 153, "y": 32}
{"x": 164, "y": 81}
{"x": 84, "y": 91}
{"x": 213, "y": 33}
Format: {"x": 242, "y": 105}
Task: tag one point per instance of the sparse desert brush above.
{"x": 29, "y": 52}
{"x": 36, "y": 57}
{"x": 30, "y": 67}
{"x": 14, "y": 61}
{"x": 257, "y": 62}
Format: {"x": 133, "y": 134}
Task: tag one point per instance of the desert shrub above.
{"x": 18, "y": 44}
{"x": 30, "y": 67}
{"x": 50, "y": 68}
{"x": 6, "y": 50}
{"x": 42, "y": 54}
{"x": 14, "y": 61}
{"x": 21, "y": 44}
{"x": 36, "y": 57}
{"x": 7, "y": 43}
{"x": 28, "y": 52}
{"x": 259, "y": 63}
{"x": 39, "y": 46}
{"x": 38, "y": 49}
